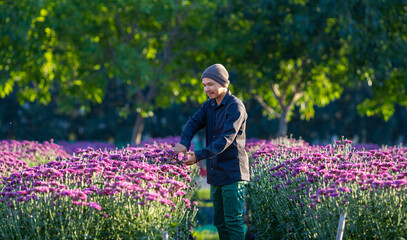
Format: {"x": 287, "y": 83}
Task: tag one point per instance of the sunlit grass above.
{"x": 207, "y": 232}
{"x": 203, "y": 197}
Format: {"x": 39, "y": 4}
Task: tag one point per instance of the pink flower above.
{"x": 166, "y": 201}
{"x": 334, "y": 194}
{"x": 342, "y": 189}
{"x": 187, "y": 203}
{"x": 76, "y": 203}
{"x": 180, "y": 193}
{"x": 95, "y": 205}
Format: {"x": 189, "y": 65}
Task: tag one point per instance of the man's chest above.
{"x": 217, "y": 119}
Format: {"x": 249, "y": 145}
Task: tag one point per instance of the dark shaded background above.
{"x": 33, "y": 121}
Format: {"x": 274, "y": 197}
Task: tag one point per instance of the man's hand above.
{"x": 179, "y": 148}
{"x": 191, "y": 159}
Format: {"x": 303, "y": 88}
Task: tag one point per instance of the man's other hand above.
{"x": 179, "y": 148}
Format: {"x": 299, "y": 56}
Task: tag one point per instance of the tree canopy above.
{"x": 287, "y": 55}
{"x": 70, "y": 50}
{"x": 300, "y": 54}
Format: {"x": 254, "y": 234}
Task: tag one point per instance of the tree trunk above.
{"x": 137, "y": 129}
{"x": 283, "y": 124}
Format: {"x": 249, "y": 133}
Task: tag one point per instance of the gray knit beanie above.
{"x": 218, "y": 73}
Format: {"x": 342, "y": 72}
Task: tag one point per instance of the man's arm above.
{"x": 235, "y": 116}
{"x": 193, "y": 125}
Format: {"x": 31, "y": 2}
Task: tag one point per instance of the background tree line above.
{"x": 119, "y": 70}
{"x": 34, "y": 121}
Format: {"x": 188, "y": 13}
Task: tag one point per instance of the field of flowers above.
{"x": 96, "y": 191}
{"x": 135, "y": 192}
{"x": 298, "y": 191}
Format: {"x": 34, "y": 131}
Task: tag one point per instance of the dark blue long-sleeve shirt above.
{"x": 225, "y": 154}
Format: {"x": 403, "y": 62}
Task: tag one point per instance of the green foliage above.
{"x": 73, "y": 48}
{"x": 21, "y": 50}
{"x": 392, "y": 92}
{"x": 287, "y": 55}
{"x": 302, "y": 53}
{"x": 52, "y": 219}
{"x": 285, "y": 58}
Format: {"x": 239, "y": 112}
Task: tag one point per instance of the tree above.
{"x": 300, "y": 54}
{"x": 139, "y": 45}
{"x": 22, "y": 63}
{"x": 293, "y": 57}
{"x": 38, "y": 65}
{"x": 378, "y": 50}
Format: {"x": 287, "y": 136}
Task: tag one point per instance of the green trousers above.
{"x": 228, "y": 202}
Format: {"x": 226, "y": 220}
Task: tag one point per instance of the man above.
{"x": 224, "y": 117}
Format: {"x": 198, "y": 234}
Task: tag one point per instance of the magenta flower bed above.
{"x": 135, "y": 192}
{"x": 32, "y": 149}
{"x": 19, "y": 155}
{"x": 10, "y": 162}
{"x": 298, "y": 191}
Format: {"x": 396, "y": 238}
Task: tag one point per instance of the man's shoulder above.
{"x": 235, "y": 100}
{"x": 236, "y": 104}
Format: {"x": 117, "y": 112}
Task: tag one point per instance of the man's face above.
{"x": 212, "y": 88}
